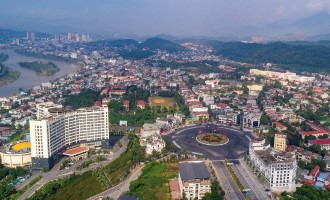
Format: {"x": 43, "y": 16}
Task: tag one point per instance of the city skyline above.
{"x": 181, "y": 18}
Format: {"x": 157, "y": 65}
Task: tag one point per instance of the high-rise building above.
{"x": 31, "y": 36}
{"x": 278, "y": 168}
{"x": 69, "y": 36}
{"x": 58, "y": 128}
{"x": 280, "y": 142}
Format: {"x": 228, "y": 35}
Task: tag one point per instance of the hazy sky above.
{"x": 150, "y": 17}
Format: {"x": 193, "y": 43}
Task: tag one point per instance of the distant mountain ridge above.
{"x": 151, "y": 44}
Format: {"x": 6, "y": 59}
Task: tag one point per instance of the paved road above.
{"x": 117, "y": 190}
{"x": 245, "y": 181}
{"x": 54, "y": 173}
{"x": 255, "y": 185}
{"x": 227, "y": 182}
{"x": 236, "y": 147}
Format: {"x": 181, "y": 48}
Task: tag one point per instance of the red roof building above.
{"x": 141, "y": 104}
{"x": 308, "y": 181}
{"x": 315, "y": 133}
{"x": 314, "y": 172}
{"x": 317, "y": 126}
{"x": 98, "y": 103}
{"x": 280, "y": 127}
{"x": 324, "y": 143}
{"x": 76, "y": 151}
{"x": 126, "y": 104}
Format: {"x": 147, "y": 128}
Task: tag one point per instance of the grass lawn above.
{"x": 162, "y": 102}
{"x": 154, "y": 181}
{"x": 79, "y": 187}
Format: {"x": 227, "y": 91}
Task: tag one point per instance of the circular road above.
{"x": 238, "y": 145}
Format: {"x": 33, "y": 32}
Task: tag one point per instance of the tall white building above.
{"x": 57, "y": 128}
{"x": 278, "y": 168}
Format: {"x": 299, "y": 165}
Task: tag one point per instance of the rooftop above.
{"x": 320, "y": 141}
{"x": 193, "y": 170}
{"x": 76, "y": 151}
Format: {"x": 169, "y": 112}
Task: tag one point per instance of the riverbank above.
{"x": 41, "y": 68}
{"x": 42, "y": 56}
{"x": 28, "y": 78}
{"x": 9, "y": 76}
{"x": 3, "y": 57}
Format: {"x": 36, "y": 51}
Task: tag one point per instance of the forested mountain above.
{"x": 158, "y": 43}
{"x": 298, "y": 57}
{"x": 132, "y": 49}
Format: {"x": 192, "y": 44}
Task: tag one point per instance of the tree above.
{"x": 323, "y": 136}
{"x": 264, "y": 119}
{"x": 116, "y": 106}
{"x": 315, "y": 148}
{"x": 184, "y": 152}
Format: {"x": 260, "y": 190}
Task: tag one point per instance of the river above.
{"x": 29, "y": 78}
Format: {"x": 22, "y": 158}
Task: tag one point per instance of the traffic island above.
{"x": 212, "y": 139}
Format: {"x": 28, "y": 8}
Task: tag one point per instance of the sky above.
{"x": 151, "y": 17}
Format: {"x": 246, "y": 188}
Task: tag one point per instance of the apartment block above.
{"x": 57, "y": 129}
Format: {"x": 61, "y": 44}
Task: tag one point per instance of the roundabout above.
{"x": 212, "y": 139}
{"x": 236, "y": 146}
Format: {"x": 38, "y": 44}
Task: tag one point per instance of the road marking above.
{"x": 248, "y": 137}
{"x": 176, "y": 144}
{"x": 196, "y": 153}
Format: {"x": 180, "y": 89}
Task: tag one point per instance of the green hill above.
{"x": 158, "y": 43}
{"x": 311, "y": 58}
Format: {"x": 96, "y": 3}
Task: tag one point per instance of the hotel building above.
{"x": 278, "y": 168}
{"x": 58, "y": 128}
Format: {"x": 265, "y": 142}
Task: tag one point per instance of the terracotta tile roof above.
{"x": 140, "y": 103}
{"x": 319, "y": 132}
{"x": 320, "y": 141}
{"x": 76, "y": 151}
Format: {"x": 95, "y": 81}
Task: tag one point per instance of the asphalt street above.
{"x": 227, "y": 182}
{"x": 54, "y": 173}
{"x": 185, "y": 138}
{"x": 236, "y": 147}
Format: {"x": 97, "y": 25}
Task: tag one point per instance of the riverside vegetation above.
{"x": 41, "y": 68}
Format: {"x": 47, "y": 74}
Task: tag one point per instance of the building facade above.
{"x": 280, "y": 142}
{"x": 51, "y": 134}
{"x": 194, "y": 179}
{"x": 279, "y": 169}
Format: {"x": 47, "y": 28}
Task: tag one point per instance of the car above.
{"x": 267, "y": 190}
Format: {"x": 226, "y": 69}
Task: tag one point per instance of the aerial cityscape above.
{"x": 175, "y": 100}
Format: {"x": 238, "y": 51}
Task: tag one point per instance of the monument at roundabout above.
{"x": 212, "y": 139}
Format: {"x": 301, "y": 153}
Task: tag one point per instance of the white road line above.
{"x": 196, "y": 153}
{"x": 176, "y": 144}
{"x": 248, "y": 137}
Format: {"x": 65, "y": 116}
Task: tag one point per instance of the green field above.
{"x": 41, "y": 68}
{"x": 162, "y": 102}
{"x": 154, "y": 181}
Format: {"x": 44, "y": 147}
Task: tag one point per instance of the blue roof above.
{"x": 323, "y": 175}
{"x": 319, "y": 184}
